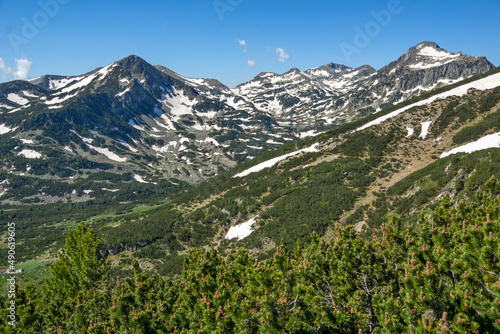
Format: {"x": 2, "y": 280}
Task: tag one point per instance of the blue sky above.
{"x": 204, "y": 38}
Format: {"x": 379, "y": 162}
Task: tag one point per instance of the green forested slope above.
{"x": 440, "y": 276}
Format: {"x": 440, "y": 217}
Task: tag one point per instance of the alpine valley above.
{"x": 160, "y": 164}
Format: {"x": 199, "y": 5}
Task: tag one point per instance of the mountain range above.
{"x": 299, "y": 196}
{"x": 77, "y": 138}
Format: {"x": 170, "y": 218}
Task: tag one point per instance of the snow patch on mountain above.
{"x": 4, "y": 106}
{"x": 82, "y": 82}
{"x": 320, "y": 73}
{"x": 17, "y": 99}
{"x": 490, "y": 141}
{"x": 127, "y": 145}
{"x": 124, "y": 92}
{"x": 310, "y": 133}
{"x": 211, "y": 140}
{"x": 425, "y": 129}
{"x": 79, "y": 84}
{"x": 351, "y": 74}
{"x": 272, "y": 162}
{"x": 433, "y": 57}
{"x": 105, "y": 151}
{"x": 434, "y": 53}
{"x": 410, "y": 131}
{"x": 5, "y": 129}
{"x": 110, "y": 190}
{"x": 30, "y": 154}
{"x": 28, "y": 94}
{"x": 58, "y": 100}
{"x": 241, "y": 231}
{"x": 179, "y": 104}
{"x": 56, "y": 84}
{"x": 139, "y": 179}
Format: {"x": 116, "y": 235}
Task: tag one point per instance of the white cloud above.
{"x": 243, "y": 43}
{"x": 251, "y": 63}
{"x": 283, "y": 56}
{"x": 23, "y": 67}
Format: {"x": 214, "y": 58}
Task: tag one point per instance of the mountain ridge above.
{"x": 144, "y": 122}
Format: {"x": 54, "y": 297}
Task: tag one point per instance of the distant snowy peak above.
{"x": 266, "y": 75}
{"x": 268, "y": 81}
{"x": 334, "y": 93}
{"x": 429, "y": 55}
{"x": 329, "y": 71}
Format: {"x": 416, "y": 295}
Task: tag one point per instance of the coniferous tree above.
{"x": 80, "y": 267}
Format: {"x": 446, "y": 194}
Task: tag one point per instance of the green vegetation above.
{"x": 438, "y": 276}
{"x": 490, "y": 122}
{"x": 463, "y": 173}
{"x": 462, "y": 113}
{"x": 43, "y": 227}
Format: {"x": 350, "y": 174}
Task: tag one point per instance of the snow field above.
{"x": 272, "y": 162}
{"x": 490, "y": 141}
{"x": 241, "y": 231}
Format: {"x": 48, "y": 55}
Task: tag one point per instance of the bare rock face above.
{"x": 428, "y": 65}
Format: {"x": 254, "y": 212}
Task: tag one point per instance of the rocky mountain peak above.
{"x": 139, "y": 68}
{"x": 329, "y": 70}
{"x": 294, "y": 70}
{"x": 337, "y": 67}
{"x": 132, "y": 61}
{"x": 366, "y": 70}
{"x": 430, "y": 51}
{"x": 424, "y": 44}
{"x": 430, "y": 56}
